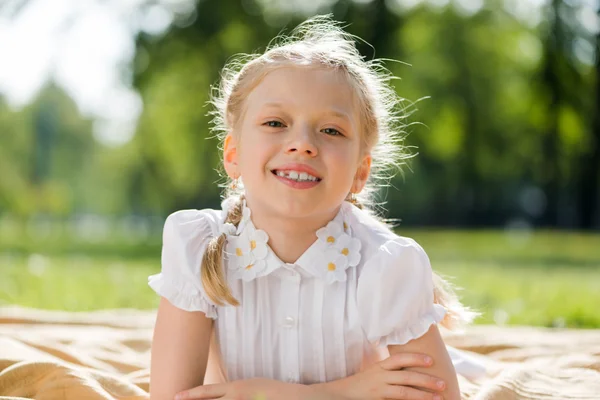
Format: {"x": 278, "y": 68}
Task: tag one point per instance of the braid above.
{"x": 213, "y": 277}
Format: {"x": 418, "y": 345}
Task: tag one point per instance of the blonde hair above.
{"x": 319, "y": 42}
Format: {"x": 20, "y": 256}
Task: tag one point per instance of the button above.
{"x": 289, "y": 322}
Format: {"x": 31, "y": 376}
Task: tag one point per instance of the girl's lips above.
{"x": 295, "y": 184}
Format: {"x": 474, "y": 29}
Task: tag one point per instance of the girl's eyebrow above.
{"x": 339, "y": 114}
{"x": 272, "y": 104}
{"x": 331, "y": 111}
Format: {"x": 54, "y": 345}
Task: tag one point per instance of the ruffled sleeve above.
{"x": 395, "y": 294}
{"x": 186, "y": 235}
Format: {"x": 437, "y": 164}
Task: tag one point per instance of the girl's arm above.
{"x": 432, "y": 344}
{"x": 387, "y": 379}
{"x": 179, "y": 350}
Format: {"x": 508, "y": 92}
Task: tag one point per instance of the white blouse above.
{"x": 357, "y": 288}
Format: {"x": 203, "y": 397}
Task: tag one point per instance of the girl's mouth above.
{"x": 296, "y": 179}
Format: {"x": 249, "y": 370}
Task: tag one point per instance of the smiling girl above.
{"x": 298, "y": 284}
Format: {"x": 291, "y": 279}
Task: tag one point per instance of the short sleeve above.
{"x": 186, "y": 235}
{"x": 395, "y": 294}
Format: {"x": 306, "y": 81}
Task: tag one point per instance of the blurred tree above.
{"x": 43, "y": 150}
{"x": 589, "y": 180}
{"x": 568, "y": 101}
{"x": 554, "y": 57}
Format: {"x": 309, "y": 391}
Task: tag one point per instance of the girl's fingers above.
{"x": 216, "y": 391}
{"x": 416, "y": 379}
{"x": 405, "y": 360}
{"x": 407, "y": 393}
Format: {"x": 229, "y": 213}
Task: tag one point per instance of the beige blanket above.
{"x": 105, "y": 355}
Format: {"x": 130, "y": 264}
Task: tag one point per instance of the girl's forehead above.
{"x": 304, "y": 87}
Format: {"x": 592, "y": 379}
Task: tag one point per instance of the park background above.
{"x": 104, "y": 132}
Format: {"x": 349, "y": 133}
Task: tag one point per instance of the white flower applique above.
{"x": 247, "y": 253}
{"x": 350, "y": 248}
{"x": 342, "y": 251}
{"x": 330, "y": 233}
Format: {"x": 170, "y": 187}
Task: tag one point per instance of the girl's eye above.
{"x": 274, "y": 124}
{"x": 331, "y": 131}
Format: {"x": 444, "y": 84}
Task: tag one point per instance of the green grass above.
{"x": 77, "y": 283}
{"x": 544, "y": 279}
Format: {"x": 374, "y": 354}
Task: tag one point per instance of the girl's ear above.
{"x": 230, "y": 159}
{"x": 362, "y": 174}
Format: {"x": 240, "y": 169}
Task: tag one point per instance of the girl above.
{"x": 301, "y": 283}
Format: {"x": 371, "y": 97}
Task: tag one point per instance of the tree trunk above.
{"x": 551, "y": 140}
{"x": 589, "y": 207}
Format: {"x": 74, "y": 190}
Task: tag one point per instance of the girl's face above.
{"x": 297, "y": 146}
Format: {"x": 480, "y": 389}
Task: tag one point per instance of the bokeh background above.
{"x": 103, "y": 133}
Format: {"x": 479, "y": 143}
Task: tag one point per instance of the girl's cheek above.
{"x": 342, "y": 154}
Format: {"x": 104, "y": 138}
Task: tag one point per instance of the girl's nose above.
{"x": 302, "y": 142}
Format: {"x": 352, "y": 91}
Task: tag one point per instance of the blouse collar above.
{"x": 249, "y": 256}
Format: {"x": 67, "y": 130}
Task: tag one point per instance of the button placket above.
{"x": 289, "y": 324}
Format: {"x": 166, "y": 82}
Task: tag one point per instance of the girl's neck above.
{"x": 289, "y": 237}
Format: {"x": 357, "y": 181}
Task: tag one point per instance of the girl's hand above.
{"x": 249, "y": 389}
{"x": 387, "y": 380}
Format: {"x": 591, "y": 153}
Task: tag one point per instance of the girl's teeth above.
{"x": 302, "y": 176}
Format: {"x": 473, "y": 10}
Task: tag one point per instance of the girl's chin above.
{"x": 302, "y": 206}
